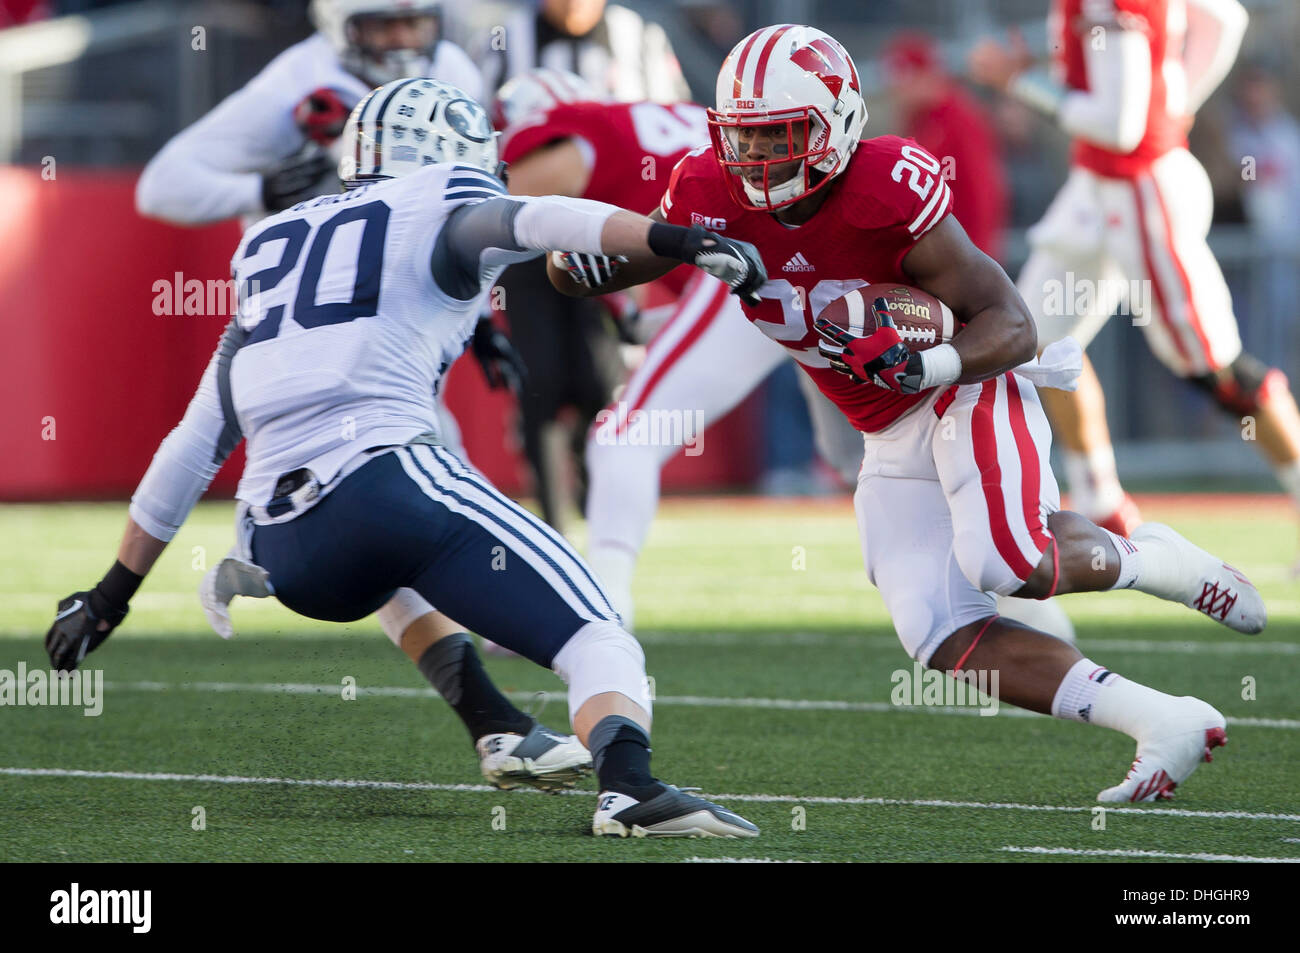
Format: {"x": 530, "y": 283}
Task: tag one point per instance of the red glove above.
{"x": 881, "y": 357}
{"x": 321, "y": 115}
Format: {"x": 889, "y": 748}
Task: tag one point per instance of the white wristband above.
{"x": 940, "y": 366}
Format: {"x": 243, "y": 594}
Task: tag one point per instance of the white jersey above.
{"x": 212, "y": 170}
{"x": 347, "y": 333}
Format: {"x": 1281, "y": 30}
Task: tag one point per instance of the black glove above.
{"x": 501, "y": 363}
{"x": 300, "y": 177}
{"x": 734, "y": 262}
{"x": 85, "y": 619}
{"x": 76, "y": 630}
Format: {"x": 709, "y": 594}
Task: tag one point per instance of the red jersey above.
{"x": 891, "y": 194}
{"x": 1164, "y": 23}
{"x": 633, "y": 148}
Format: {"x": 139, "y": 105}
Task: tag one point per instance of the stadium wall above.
{"x": 97, "y": 365}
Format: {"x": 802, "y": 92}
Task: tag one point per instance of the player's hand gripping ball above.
{"x": 882, "y": 344}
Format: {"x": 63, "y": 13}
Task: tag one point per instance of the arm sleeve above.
{"x": 1215, "y": 30}
{"x": 508, "y": 230}
{"x": 211, "y": 170}
{"x": 190, "y": 456}
{"x": 1112, "y": 113}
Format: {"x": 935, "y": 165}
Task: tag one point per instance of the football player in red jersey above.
{"x": 559, "y": 139}
{"x": 1135, "y": 211}
{"x": 955, "y": 501}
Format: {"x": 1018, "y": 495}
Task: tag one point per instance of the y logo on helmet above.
{"x": 829, "y": 63}
{"x": 468, "y": 119}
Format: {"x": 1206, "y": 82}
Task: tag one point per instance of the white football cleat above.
{"x": 1045, "y": 615}
{"x": 1201, "y": 581}
{"x": 543, "y": 758}
{"x": 670, "y": 813}
{"x": 1166, "y": 760}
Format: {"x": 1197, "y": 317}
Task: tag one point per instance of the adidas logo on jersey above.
{"x": 798, "y": 263}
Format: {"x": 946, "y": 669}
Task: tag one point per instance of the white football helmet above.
{"x": 802, "y": 79}
{"x": 407, "y": 124}
{"x": 537, "y": 90}
{"x": 337, "y": 20}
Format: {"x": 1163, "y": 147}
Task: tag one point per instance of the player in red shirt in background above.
{"x": 1128, "y": 77}
{"x": 951, "y": 125}
{"x": 955, "y": 501}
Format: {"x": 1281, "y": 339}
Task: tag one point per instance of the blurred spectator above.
{"x": 1034, "y": 166}
{"x": 610, "y": 47}
{"x": 1265, "y": 145}
{"x": 934, "y": 110}
{"x": 1265, "y": 141}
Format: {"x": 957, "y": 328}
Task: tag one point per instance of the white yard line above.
{"x": 696, "y": 701}
{"x": 741, "y": 860}
{"x": 1162, "y": 854}
{"x": 745, "y": 798}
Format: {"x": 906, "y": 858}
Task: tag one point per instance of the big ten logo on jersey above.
{"x": 709, "y": 222}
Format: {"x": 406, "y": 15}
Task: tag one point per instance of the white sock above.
{"x": 1288, "y": 474}
{"x": 1130, "y": 561}
{"x": 1094, "y": 694}
{"x": 1095, "y": 490}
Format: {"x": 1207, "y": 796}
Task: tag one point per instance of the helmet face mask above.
{"x": 796, "y": 89}
{"x": 380, "y": 40}
{"x": 798, "y": 142}
{"x": 405, "y": 125}
{"x": 383, "y": 63}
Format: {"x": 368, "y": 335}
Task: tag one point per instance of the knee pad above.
{"x": 397, "y": 613}
{"x": 601, "y": 657}
{"x": 1242, "y": 386}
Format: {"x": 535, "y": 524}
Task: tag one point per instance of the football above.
{"x": 922, "y": 319}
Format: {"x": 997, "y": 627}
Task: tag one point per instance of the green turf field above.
{"x": 772, "y": 683}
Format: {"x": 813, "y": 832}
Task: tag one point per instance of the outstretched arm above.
{"x": 1111, "y": 113}
{"x": 181, "y": 470}
{"x": 500, "y": 231}
{"x": 1215, "y": 29}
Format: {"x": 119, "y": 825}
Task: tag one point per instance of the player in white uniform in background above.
{"x": 1137, "y": 207}
{"x": 268, "y": 145}
{"x": 351, "y": 309}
